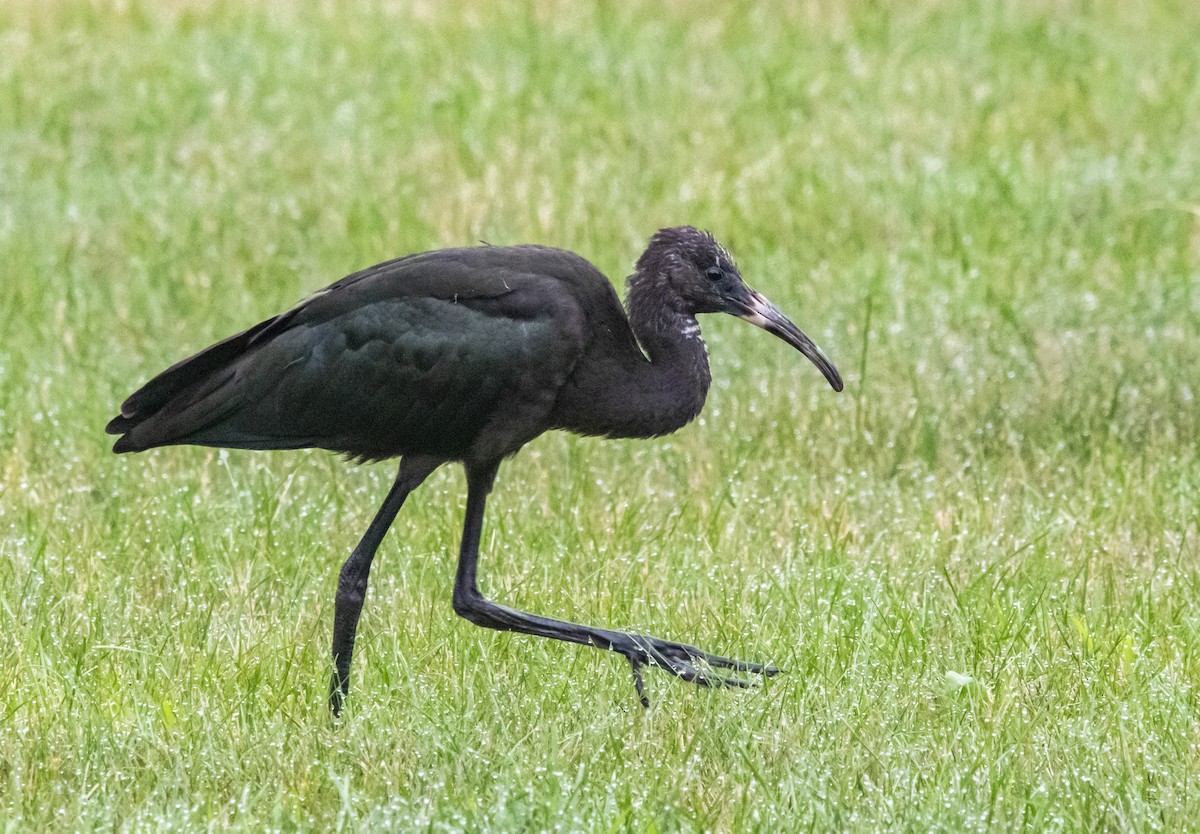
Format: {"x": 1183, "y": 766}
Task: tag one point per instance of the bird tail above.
{"x": 178, "y": 403}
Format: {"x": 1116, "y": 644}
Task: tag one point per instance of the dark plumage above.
{"x": 466, "y": 355}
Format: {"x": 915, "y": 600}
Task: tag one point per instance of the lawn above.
{"x": 979, "y": 565}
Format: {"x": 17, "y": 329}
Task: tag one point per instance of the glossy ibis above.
{"x": 466, "y": 355}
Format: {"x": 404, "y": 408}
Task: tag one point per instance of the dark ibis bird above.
{"x": 465, "y": 355}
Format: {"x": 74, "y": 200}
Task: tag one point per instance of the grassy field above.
{"x": 979, "y": 565}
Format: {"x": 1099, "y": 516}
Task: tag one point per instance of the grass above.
{"x": 979, "y": 564}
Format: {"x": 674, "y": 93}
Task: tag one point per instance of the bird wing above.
{"x": 414, "y": 355}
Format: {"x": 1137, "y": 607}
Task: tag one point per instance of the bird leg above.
{"x": 352, "y": 582}
{"x": 680, "y": 659}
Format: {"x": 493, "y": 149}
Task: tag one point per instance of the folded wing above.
{"x": 413, "y": 355}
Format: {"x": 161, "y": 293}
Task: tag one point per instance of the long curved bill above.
{"x": 762, "y": 313}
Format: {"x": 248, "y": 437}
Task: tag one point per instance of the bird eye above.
{"x": 714, "y": 273}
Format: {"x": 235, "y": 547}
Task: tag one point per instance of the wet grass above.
{"x": 978, "y": 564}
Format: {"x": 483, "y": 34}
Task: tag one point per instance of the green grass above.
{"x": 979, "y": 564}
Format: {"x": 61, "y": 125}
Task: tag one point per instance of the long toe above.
{"x": 694, "y": 665}
{"x": 714, "y": 660}
{"x": 750, "y": 667}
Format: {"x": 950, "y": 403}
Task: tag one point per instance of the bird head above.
{"x": 702, "y": 276}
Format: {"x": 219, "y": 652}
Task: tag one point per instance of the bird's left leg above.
{"x": 352, "y": 581}
{"x": 682, "y": 660}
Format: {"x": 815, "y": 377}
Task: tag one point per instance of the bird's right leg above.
{"x": 352, "y": 582}
{"x": 680, "y": 659}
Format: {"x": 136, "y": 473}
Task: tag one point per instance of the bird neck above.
{"x": 643, "y": 381}
{"x": 668, "y": 390}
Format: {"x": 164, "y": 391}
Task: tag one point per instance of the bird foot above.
{"x": 689, "y": 663}
{"x": 339, "y": 689}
